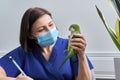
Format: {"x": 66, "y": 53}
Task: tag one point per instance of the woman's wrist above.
{"x": 81, "y": 57}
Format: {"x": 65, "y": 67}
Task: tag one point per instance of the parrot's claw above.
{"x": 66, "y": 50}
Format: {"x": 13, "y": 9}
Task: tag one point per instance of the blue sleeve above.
{"x": 74, "y": 64}
{"x": 89, "y": 63}
{"x": 10, "y": 69}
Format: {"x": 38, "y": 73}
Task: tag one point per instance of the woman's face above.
{"x": 42, "y": 25}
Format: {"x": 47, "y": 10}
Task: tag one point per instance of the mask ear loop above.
{"x": 56, "y": 28}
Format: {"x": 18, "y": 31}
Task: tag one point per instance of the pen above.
{"x": 10, "y": 57}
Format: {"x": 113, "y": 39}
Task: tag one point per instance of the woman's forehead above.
{"x": 42, "y": 21}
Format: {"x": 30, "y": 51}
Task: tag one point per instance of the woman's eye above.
{"x": 51, "y": 25}
{"x": 40, "y": 30}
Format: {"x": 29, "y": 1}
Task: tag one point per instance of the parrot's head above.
{"x": 74, "y": 28}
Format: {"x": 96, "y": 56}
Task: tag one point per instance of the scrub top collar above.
{"x": 42, "y": 59}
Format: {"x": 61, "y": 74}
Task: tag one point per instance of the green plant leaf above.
{"x": 117, "y": 29}
{"x": 111, "y": 33}
{"x": 115, "y": 4}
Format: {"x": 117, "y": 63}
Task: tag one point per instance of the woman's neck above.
{"x": 46, "y": 51}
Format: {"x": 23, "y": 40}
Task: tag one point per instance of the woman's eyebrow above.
{"x": 50, "y": 22}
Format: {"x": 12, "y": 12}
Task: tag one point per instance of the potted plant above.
{"x": 114, "y": 33}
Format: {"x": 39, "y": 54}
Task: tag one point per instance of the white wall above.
{"x": 65, "y": 12}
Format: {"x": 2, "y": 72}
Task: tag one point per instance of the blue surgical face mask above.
{"x": 48, "y": 38}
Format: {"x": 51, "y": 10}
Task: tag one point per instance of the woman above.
{"x": 42, "y": 52}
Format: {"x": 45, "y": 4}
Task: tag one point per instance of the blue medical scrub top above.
{"x": 36, "y": 66}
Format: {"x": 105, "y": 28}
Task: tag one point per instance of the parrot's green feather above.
{"x": 74, "y": 28}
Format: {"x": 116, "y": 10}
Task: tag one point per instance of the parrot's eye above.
{"x": 72, "y": 29}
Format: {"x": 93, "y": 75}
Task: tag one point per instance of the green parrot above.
{"x": 74, "y": 28}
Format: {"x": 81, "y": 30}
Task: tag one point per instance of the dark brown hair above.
{"x": 29, "y": 17}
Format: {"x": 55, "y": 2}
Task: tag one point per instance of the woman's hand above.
{"x": 78, "y": 43}
{"x": 21, "y": 77}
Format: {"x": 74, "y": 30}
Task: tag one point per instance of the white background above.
{"x": 65, "y": 13}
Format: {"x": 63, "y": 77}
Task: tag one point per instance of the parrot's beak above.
{"x": 71, "y": 28}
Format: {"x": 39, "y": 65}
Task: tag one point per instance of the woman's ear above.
{"x": 32, "y": 36}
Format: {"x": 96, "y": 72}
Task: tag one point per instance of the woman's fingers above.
{"x": 21, "y": 77}
{"x": 78, "y": 43}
